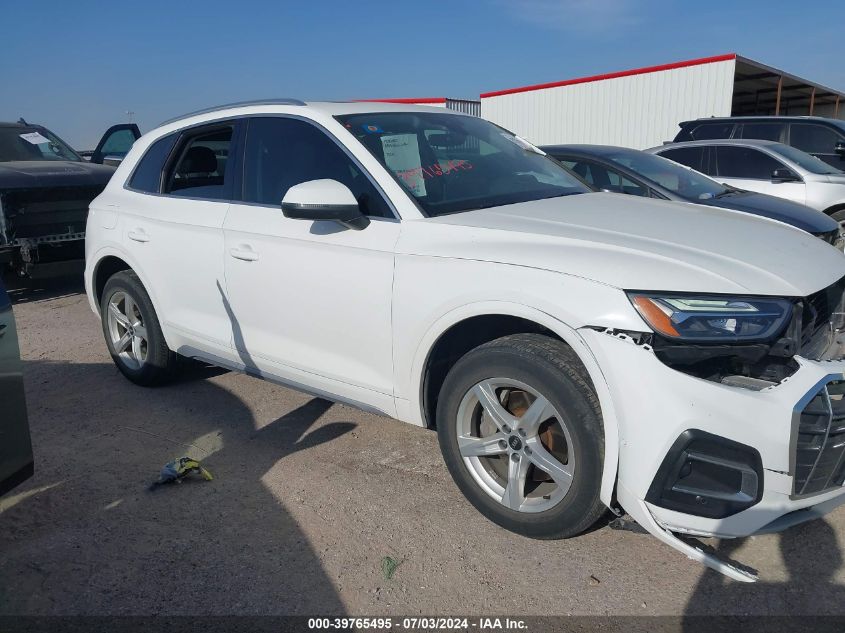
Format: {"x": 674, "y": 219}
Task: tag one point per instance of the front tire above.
{"x": 132, "y": 331}
{"x": 521, "y": 433}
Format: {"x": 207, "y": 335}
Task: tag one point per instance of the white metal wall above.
{"x": 636, "y": 111}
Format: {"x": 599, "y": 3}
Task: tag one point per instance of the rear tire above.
{"x": 132, "y": 331}
{"x": 521, "y": 433}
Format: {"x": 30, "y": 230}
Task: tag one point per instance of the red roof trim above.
{"x": 420, "y": 100}
{"x": 623, "y": 73}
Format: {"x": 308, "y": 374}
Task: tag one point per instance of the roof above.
{"x": 764, "y": 117}
{"x": 594, "y": 150}
{"x": 330, "y": 108}
{"x": 408, "y": 100}
{"x": 623, "y": 73}
{"x": 751, "y": 142}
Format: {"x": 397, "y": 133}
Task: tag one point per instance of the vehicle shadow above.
{"x": 34, "y": 290}
{"x": 86, "y": 536}
{"x": 810, "y": 588}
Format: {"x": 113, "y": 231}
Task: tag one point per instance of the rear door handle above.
{"x": 138, "y": 235}
{"x": 244, "y": 252}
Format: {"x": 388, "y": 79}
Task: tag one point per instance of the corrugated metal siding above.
{"x": 635, "y": 111}
{"x": 464, "y": 105}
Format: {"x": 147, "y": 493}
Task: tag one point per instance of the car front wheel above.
{"x": 521, "y": 433}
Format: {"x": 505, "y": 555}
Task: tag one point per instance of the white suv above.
{"x": 575, "y": 351}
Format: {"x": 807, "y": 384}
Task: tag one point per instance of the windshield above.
{"x": 678, "y": 179}
{"x": 32, "y": 143}
{"x": 810, "y": 163}
{"x": 450, "y": 163}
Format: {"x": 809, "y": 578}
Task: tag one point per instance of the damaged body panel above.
{"x": 45, "y": 190}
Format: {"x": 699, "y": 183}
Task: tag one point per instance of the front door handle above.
{"x": 244, "y": 253}
{"x": 138, "y": 235}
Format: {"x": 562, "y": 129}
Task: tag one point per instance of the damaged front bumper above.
{"x": 698, "y": 457}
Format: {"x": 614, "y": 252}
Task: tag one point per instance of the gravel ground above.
{"x": 307, "y": 500}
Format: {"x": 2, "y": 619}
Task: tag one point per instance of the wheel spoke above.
{"x": 136, "y": 349}
{"x": 545, "y": 461}
{"x": 539, "y": 411}
{"x": 118, "y": 315}
{"x": 129, "y": 309}
{"x": 486, "y": 395}
{"x": 123, "y": 344}
{"x": 141, "y": 332}
{"x": 514, "y": 495}
{"x": 481, "y": 446}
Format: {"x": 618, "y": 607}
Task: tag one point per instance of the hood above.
{"x": 636, "y": 244}
{"x": 52, "y": 173}
{"x": 780, "y": 209}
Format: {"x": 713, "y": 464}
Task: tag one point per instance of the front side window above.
{"x": 802, "y": 159}
{"x": 745, "y": 162}
{"x": 692, "y": 157}
{"x": 814, "y": 139}
{"x": 147, "y": 175}
{"x": 200, "y": 170}
{"x": 32, "y": 143}
{"x": 283, "y": 152}
{"x": 450, "y": 163}
{"x": 670, "y": 175}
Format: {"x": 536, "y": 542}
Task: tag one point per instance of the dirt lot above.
{"x": 308, "y": 498}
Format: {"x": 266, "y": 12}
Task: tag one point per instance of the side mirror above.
{"x": 324, "y": 200}
{"x": 112, "y": 161}
{"x": 785, "y": 175}
{"x": 839, "y": 148}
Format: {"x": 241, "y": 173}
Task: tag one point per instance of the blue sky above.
{"x": 77, "y": 67}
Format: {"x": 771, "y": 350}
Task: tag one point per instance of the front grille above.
{"x": 47, "y": 211}
{"x": 820, "y": 446}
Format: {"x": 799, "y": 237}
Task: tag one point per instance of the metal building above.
{"x": 642, "y": 107}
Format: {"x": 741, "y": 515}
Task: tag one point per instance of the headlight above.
{"x": 713, "y": 318}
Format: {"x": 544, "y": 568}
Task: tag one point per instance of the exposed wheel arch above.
{"x": 107, "y": 267}
{"x": 460, "y": 338}
{"x": 837, "y": 208}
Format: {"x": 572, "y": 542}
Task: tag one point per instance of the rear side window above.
{"x": 814, "y": 139}
{"x": 745, "y": 162}
{"x": 282, "y": 152}
{"x": 201, "y": 168}
{"x": 707, "y": 131}
{"x": 147, "y": 175}
{"x": 763, "y": 131}
{"x": 690, "y": 156}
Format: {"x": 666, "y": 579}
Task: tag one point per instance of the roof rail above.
{"x": 237, "y": 104}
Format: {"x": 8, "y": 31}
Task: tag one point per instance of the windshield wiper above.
{"x": 726, "y": 192}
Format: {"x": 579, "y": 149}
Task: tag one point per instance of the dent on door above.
{"x": 16, "y": 463}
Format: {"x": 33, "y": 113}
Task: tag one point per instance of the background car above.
{"x": 45, "y": 189}
{"x": 16, "y": 463}
{"x": 624, "y": 170}
{"x": 767, "y": 167}
{"x": 821, "y": 137}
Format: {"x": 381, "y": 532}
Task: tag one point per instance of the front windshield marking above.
{"x": 670, "y": 175}
{"x": 450, "y": 163}
{"x": 32, "y": 144}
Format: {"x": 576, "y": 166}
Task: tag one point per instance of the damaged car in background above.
{"x": 45, "y": 189}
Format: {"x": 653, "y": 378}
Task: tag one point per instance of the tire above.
{"x": 145, "y": 359}
{"x": 547, "y": 370}
{"x": 839, "y": 216}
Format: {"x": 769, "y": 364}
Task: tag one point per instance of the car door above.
{"x": 16, "y": 462}
{"x": 116, "y": 142}
{"x": 820, "y": 141}
{"x": 175, "y": 232}
{"x": 749, "y": 168}
{"x": 310, "y": 302}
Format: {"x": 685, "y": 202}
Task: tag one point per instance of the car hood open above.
{"x": 52, "y": 173}
{"x": 636, "y": 243}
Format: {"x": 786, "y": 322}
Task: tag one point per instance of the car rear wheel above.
{"x": 132, "y": 331}
{"x": 521, "y": 433}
